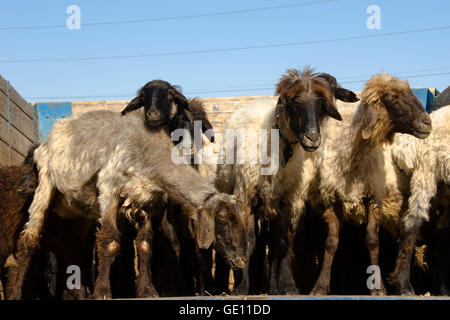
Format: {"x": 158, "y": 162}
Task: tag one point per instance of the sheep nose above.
{"x": 153, "y": 114}
{"x": 239, "y": 263}
{"x": 313, "y": 137}
{"x": 426, "y": 120}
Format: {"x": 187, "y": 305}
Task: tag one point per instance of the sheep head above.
{"x": 161, "y": 101}
{"x": 220, "y": 221}
{"x": 305, "y": 99}
{"x": 390, "y": 106}
{"x": 197, "y": 113}
{"x": 187, "y": 119}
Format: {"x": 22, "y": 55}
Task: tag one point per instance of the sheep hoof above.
{"x": 289, "y": 291}
{"x": 407, "y": 291}
{"x": 319, "y": 290}
{"x": 148, "y": 292}
{"x": 14, "y": 295}
{"x": 442, "y": 290}
{"x": 378, "y": 292}
{"x": 239, "y": 291}
{"x": 102, "y": 294}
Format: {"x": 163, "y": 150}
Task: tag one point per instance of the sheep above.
{"x": 187, "y": 119}
{"x": 306, "y": 100}
{"x": 12, "y": 207}
{"x": 419, "y": 169}
{"x": 92, "y": 162}
{"x": 165, "y": 105}
{"x": 441, "y": 276}
{"x": 350, "y": 164}
{"x": 18, "y": 185}
{"x": 161, "y": 101}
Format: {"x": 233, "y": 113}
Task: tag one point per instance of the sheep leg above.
{"x": 322, "y": 286}
{"x": 79, "y": 252}
{"x": 16, "y": 274}
{"x": 286, "y": 282}
{"x": 29, "y": 238}
{"x": 281, "y": 279}
{"x": 221, "y": 275}
{"x": 400, "y": 277}
{"x": 258, "y": 264}
{"x": 204, "y": 283}
{"x": 242, "y": 277}
{"x": 144, "y": 284}
{"x": 274, "y": 250}
{"x": 440, "y": 277}
{"x": 423, "y": 188}
{"x": 373, "y": 245}
{"x": 108, "y": 245}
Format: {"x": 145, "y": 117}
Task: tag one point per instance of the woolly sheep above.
{"x": 306, "y": 100}
{"x": 420, "y": 166}
{"x": 98, "y": 158}
{"x": 350, "y": 163}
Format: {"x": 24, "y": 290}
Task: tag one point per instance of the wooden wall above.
{"x": 19, "y": 126}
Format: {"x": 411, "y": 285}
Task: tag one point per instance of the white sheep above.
{"x": 419, "y": 167}
{"x": 90, "y": 163}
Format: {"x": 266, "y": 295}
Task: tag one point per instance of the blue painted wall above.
{"x": 425, "y": 97}
{"x": 50, "y": 112}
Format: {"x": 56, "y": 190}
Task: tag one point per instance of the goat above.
{"x": 306, "y": 100}
{"x": 92, "y": 168}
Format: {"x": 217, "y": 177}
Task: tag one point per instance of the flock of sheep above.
{"x": 103, "y": 193}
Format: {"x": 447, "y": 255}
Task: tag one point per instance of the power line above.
{"x": 398, "y": 73}
{"x": 360, "y": 78}
{"x": 191, "y": 92}
{"x": 278, "y": 45}
{"x": 201, "y": 15}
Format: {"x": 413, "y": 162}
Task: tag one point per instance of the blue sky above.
{"x": 230, "y": 73}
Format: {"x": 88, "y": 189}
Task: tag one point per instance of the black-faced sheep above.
{"x": 186, "y": 119}
{"x": 351, "y": 163}
{"x": 306, "y": 100}
{"x": 165, "y": 105}
{"x": 97, "y": 159}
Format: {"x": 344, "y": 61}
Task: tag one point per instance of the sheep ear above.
{"x": 204, "y": 229}
{"x": 134, "y": 104}
{"x": 281, "y": 104}
{"x": 179, "y": 99}
{"x": 345, "y": 95}
{"x": 206, "y": 125}
{"x": 332, "y": 111}
{"x": 369, "y": 121}
{"x": 282, "y": 101}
